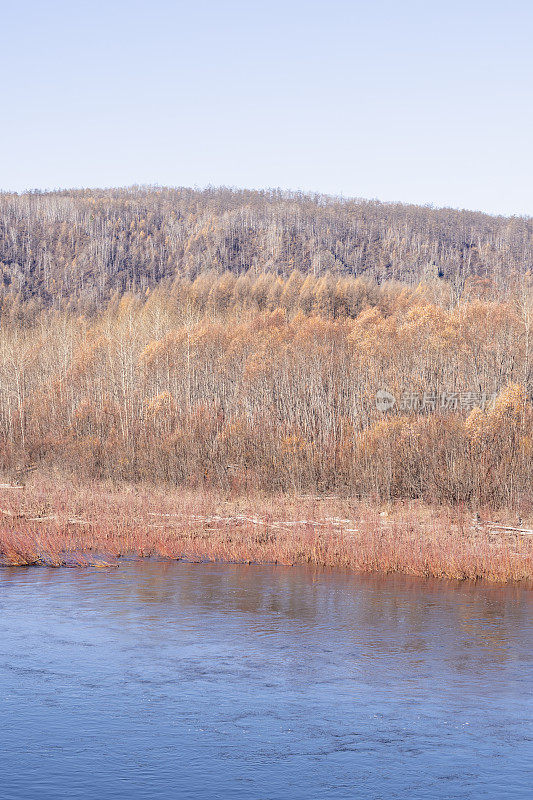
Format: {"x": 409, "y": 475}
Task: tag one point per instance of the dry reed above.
{"x": 56, "y": 524}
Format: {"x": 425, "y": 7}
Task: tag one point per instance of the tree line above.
{"x": 259, "y": 380}
{"x": 77, "y": 248}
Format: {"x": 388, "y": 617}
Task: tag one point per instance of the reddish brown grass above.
{"x": 56, "y": 524}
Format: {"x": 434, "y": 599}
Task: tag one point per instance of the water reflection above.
{"x": 226, "y": 681}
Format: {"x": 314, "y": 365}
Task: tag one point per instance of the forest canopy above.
{"x": 81, "y": 246}
{"x": 244, "y": 339}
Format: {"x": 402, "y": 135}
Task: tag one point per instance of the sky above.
{"x": 422, "y": 102}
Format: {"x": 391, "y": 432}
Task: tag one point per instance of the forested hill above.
{"x": 86, "y": 245}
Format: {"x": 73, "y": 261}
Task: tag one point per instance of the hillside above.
{"x": 83, "y": 246}
{"x": 266, "y": 349}
{"x": 243, "y": 339}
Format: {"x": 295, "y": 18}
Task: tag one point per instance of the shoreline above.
{"x": 54, "y": 523}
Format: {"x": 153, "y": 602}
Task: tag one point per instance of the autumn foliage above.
{"x": 75, "y": 249}
{"x": 256, "y": 381}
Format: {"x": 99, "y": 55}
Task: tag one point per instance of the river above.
{"x": 171, "y": 680}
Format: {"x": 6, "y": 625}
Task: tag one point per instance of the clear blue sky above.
{"x": 425, "y": 102}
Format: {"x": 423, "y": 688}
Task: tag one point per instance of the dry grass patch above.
{"x": 56, "y": 524}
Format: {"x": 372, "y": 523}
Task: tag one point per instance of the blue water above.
{"x": 201, "y": 681}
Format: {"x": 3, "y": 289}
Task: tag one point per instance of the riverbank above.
{"x": 51, "y": 523}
